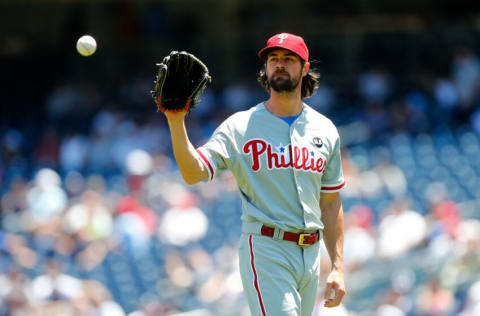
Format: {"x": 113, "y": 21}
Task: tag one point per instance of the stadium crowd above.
{"x": 95, "y": 219}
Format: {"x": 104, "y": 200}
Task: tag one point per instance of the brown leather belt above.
{"x": 301, "y": 239}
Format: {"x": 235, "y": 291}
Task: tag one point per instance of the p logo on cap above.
{"x": 282, "y": 37}
{"x": 293, "y": 43}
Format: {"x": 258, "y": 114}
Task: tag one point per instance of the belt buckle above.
{"x": 301, "y": 238}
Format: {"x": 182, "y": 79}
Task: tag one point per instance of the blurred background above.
{"x": 95, "y": 219}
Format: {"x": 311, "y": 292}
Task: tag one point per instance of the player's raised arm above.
{"x": 188, "y": 160}
{"x": 180, "y": 81}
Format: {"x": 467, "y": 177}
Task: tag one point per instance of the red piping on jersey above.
{"x": 334, "y": 188}
{"x": 255, "y": 280}
{"x": 207, "y": 162}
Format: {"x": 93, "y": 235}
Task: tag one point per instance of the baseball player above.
{"x": 285, "y": 157}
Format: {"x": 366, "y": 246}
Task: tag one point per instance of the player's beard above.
{"x": 283, "y": 82}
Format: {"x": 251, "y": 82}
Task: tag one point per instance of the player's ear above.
{"x": 306, "y": 67}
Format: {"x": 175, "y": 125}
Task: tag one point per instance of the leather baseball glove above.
{"x": 181, "y": 80}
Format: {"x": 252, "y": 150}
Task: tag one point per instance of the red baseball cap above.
{"x": 288, "y": 41}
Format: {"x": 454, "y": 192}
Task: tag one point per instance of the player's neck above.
{"x": 284, "y": 104}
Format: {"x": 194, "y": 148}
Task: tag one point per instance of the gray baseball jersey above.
{"x": 281, "y": 170}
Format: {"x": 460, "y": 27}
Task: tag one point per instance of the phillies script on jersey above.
{"x": 300, "y": 158}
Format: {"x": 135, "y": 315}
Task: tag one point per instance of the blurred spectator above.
{"x": 320, "y": 310}
{"x": 97, "y": 301}
{"x": 475, "y": 121}
{"x": 403, "y": 281}
{"x": 74, "y": 184}
{"x": 54, "y": 285}
{"x": 208, "y": 105}
{"x": 14, "y": 200}
{"x": 12, "y": 143}
{"x": 389, "y": 310}
{"x": 400, "y": 117}
{"x": 418, "y": 107}
{"x": 472, "y": 306}
{"x": 46, "y": 199}
{"x": 374, "y": 85}
{"x": 445, "y": 93}
{"x": 17, "y": 248}
{"x": 323, "y": 99}
{"x": 466, "y": 75}
{"x": 237, "y": 96}
{"x": 48, "y": 149}
{"x": 351, "y": 173}
{"x": 446, "y": 97}
{"x": 359, "y": 239}
{"x": 445, "y": 214}
{"x": 392, "y": 176}
{"x": 400, "y": 230}
{"x": 138, "y": 163}
{"x": 377, "y": 118}
{"x": 73, "y": 152}
{"x": 13, "y": 298}
{"x": 99, "y": 159}
{"x": 433, "y": 300}
{"x": 91, "y": 222}
{"x": 61, "y": 100}
{"x": 134, "y": 225}
{"x": 184, "y": 221}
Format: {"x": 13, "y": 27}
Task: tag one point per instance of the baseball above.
{"x": 86, "y": 45}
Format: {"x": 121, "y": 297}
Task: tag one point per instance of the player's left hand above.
{"x": 181, "y": 80}
{"x": 335, "y": 289}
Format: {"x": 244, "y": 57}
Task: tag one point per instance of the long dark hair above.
{"x": 309, "y": 82}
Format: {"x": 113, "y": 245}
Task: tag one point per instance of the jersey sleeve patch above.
{"x": 207, "y": 164}
{"x": 332, "y": 188}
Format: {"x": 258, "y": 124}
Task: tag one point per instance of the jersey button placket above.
{"x": 293, "y": 136}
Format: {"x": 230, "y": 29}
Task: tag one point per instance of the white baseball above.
{"x": 86, "y": 45}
